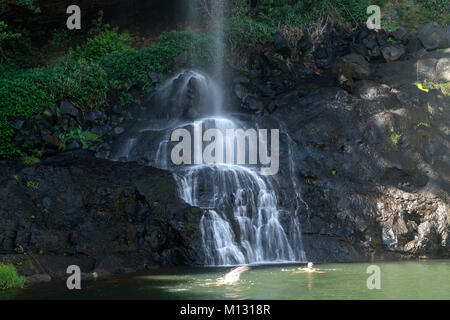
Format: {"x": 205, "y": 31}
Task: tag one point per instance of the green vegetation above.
{"x": 104, "y": 66}
{"x": 32, "y": 184}
{"x": 125, "y": 67}
{"x": 395, "y": 137}
{"x": 85, "y": 137}
{"x": 311, "y": 181}
{"x": 259, "y": 24}
{"x": 245, "y": 29}
{"x": 9, "y": 277}
{"x": 4, "y": 36}
{"x": 102, "y": 45}
{"x": 412, "y": 15}
{"x": 87, "y": 73}
{"x": 27, "y": 4}
{"x": 437, "y": 6}
{"x": 19, "y": 249}
{"x": 423, "y": 125}
{"x": 443, "y": 86}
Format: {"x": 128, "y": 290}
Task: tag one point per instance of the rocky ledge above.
{"x": 103, "y": 216}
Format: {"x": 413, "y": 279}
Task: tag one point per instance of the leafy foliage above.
{"x": 246, "y": 29}
{"x": 9, "y": 278}
{"x": 438, "y": 6}
{"x": 85, "y": 137}
{"x": 19, "y": 49}
{"x": 412, "y": 16}
{"x": 86, "y": 75}
{"x": 258, "y": 24}
{"x": 101, "y": 45}
{"x": 132, "y": 66}
{"x": 4, "y": 36}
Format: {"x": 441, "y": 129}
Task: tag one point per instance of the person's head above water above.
{"x": 310, "y": 265}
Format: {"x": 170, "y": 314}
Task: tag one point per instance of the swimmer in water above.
{"x": 309, "y": 269}
{"x": 230, "y": 278}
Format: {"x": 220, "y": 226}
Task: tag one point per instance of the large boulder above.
{"x": 67, "y": 108}
{"x": 281, "y": 45}
{"x": 433, "y": 36}
{"x": 354, "y": 65}
{"x": 432, "y": 67}
{"x": 393, "y": 53}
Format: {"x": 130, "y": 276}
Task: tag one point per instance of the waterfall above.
{"x": 241, "y": 224}
{"x": 244, "y": 220}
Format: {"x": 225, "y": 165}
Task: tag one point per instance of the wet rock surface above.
{"x": 103, "y": 216}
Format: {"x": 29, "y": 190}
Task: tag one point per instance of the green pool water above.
{"x": 399, "y": 280}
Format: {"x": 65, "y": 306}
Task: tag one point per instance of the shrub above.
{"x": 27, "y": 92}
{"x": 5, "y": 35}
{"x": 83, "y": 82}
{"x": 258, "y": 25}
{"x": 18, "y": 47}
{"x": 19, "y": 96}
{"x": 102, "y": 45}
{"x": 9, "y": 278}
{"x": 132, "y": 66}
{"x": 245, "y": 29}
{"x": 437, "y": 6}
{"x": 85, "y": 137}
{"x": 86, "y": 74}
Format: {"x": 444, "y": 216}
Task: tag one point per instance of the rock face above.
{"x": 372, "y": 158}
{"x": 432, "y": 67}
{"x": 371, "y": 188}
{"x": 109, "y": 217}
{"x": 433, "y": 36}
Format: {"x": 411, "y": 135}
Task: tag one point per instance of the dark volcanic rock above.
{"x": 370, "y": 186}
{"x": 304, "y": 44}
{"x": 433, "y": 36}
{"x": 67, "y": 108}
{"x": 91, "y": 210}
{"x": 281, "y": 45}
{"x": 393, "y": 53}
{"x": 355, "y": 66}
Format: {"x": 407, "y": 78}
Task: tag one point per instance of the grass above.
{"x": 9, "y": 278}
{"x": 257, "y": 25}
{"x": 426, "y": 86}
{"x": 412, "y": 16}
{"x": 423, "y": 125}
{"x": 443, "y": 86}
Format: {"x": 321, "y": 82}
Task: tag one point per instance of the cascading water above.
{"x": 244, "y": 221}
